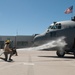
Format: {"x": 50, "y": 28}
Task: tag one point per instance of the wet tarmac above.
{"x": 38, "y": 63}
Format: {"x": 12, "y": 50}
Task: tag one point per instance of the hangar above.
{"x": 19, "y": 41}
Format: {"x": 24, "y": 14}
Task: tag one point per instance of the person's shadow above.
{"x": 5, "y": 60}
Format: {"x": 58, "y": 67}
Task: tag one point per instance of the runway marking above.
{"x": 28, "y": 63}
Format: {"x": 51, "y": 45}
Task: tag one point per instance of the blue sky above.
{"x": 28, "y": 17}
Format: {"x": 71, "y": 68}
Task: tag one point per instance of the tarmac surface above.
{"x": 38, "y": 63}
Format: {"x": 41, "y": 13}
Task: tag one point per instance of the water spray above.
{"x": 59, "y": 42}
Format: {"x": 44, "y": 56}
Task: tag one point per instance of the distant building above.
{"x": 17, "y": 41}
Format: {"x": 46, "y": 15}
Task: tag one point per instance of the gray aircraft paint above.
{"x": 66, "y": 30}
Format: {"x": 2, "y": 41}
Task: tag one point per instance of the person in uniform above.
{"x": 7, "y": 51}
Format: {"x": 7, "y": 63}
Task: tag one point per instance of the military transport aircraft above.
{"x": 57, "y": 30}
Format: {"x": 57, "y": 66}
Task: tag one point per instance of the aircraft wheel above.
{"x": 74, "y": 53}
{"x": 60, "y": 53}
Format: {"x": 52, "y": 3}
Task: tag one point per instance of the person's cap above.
{"x": 7, "y": 41}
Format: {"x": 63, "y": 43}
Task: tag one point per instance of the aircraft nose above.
{"x": 37, "y": 40}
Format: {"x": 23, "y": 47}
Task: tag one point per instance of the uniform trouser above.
{"x": 6, "y": 55}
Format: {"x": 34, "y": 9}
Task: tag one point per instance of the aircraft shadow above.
{"x": 65, "y": 57}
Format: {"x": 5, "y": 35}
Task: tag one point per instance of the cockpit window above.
{"x": 52, "y": 27}
{"x": 59, "y": 26}
{"x": 56, "y": 26}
